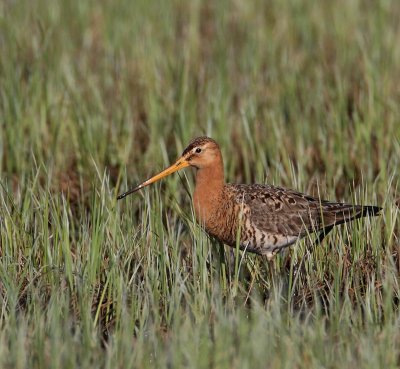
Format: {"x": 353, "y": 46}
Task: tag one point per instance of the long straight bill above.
{"x": 181, "y": 163}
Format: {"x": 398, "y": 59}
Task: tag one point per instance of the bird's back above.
{"x": 275, "y": 217}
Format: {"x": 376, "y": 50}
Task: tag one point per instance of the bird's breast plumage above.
{"x": 230, "y": 219}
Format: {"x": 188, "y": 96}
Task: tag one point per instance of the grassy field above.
{"x": 98, "y": 95}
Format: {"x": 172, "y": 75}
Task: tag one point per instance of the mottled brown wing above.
{"x": 291, "y": 213}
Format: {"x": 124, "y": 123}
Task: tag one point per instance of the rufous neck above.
{"x": 211, "y": 178}
{"x": 209, "y": 191}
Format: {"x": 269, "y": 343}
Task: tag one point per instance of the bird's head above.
{"x": 202, "y": 152}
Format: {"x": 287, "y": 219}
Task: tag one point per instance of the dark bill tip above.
{"x": 129, "y": 192}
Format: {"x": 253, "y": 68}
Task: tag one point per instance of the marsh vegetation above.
{"x": 98, "y": 95}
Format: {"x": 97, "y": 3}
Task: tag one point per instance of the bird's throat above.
{"x": 208, "y": 192}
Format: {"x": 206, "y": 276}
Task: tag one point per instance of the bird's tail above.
{"x": 368, "y": 210}
{"x": 360, "y": 211}
{"x": 342, "y": 213}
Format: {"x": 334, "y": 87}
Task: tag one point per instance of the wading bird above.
{"x": 264, "y": 219}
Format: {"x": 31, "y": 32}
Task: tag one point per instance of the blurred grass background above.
{"x": 98, "y": 95}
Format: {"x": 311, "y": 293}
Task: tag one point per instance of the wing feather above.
{"x": 291, "y": 213}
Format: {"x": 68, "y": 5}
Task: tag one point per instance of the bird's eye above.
{"x": 198, "y": 150}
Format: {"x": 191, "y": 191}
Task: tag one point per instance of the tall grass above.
{"x": 95, "y": 96}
